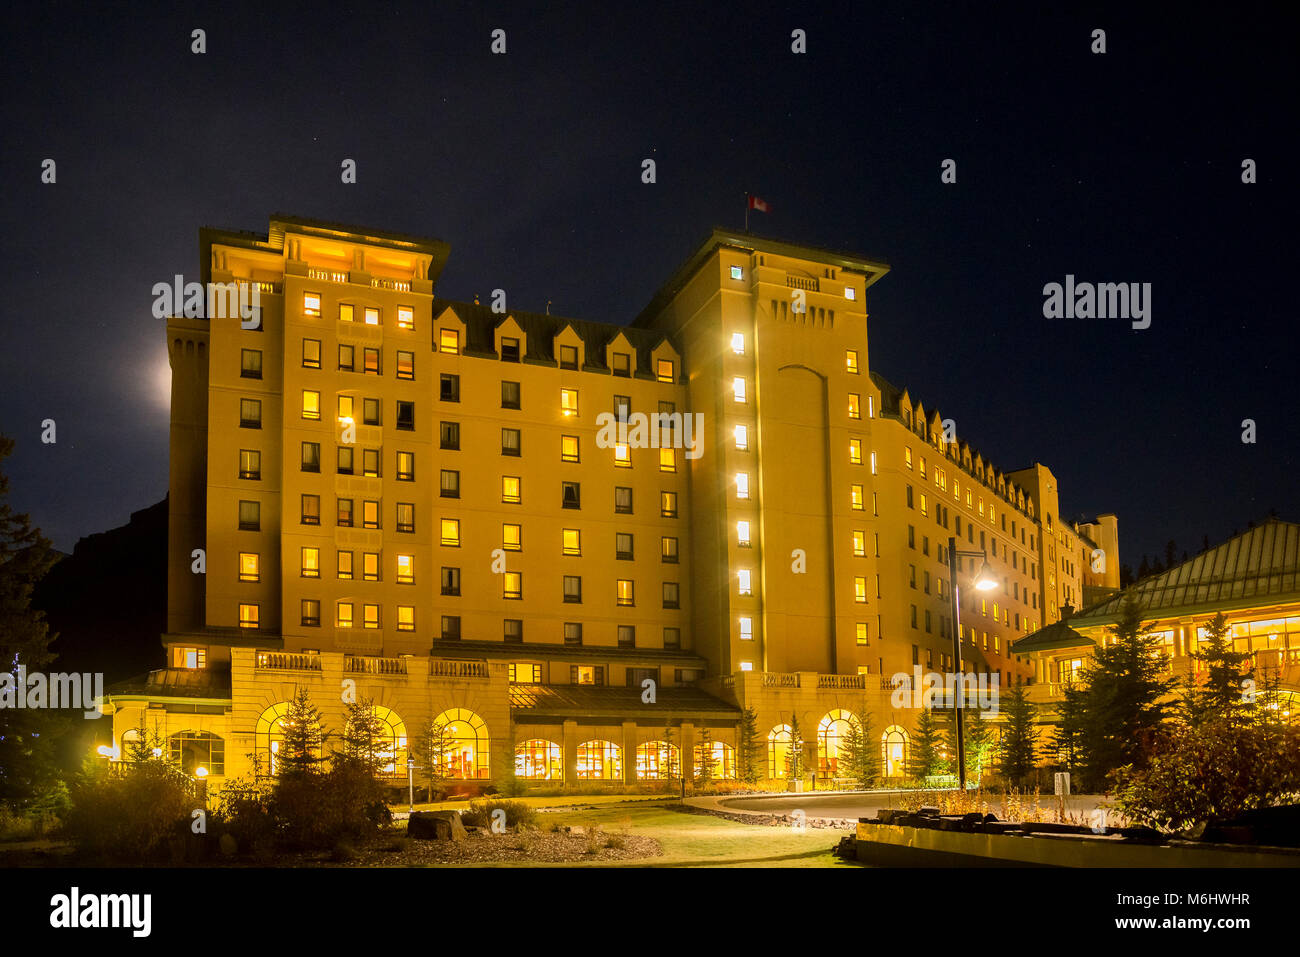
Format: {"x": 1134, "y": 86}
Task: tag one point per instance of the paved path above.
{"x": 855, "y": 804}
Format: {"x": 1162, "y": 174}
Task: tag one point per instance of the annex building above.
{"x": 584, "y": 547}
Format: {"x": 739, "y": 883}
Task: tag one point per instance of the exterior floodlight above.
{"x": 985, "y": 581}
{"x": 200, "y": 772}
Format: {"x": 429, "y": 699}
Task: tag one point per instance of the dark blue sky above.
{"x": 1123, "y": 167}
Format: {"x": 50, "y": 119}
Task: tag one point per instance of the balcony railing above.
{"x": 772, "y": 679}
{"x": 843, "y": 682}
{"x": 400, "y": 285}
{"x": 357, "y": 664}
{"x": 286, "y": 661}
{"x": 798, "y": 282}
{"x": 453, "y": 668}
{"x": 327, "y": 275}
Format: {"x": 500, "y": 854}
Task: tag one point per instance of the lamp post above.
{"x": 984, "y": 581}
{"x": 201, "y": 785}
{"x": 410, "y": 781}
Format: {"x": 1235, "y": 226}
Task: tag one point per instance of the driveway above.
{"x": 855, "y": 804}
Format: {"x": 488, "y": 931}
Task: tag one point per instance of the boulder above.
{"x": 436, "y": 826}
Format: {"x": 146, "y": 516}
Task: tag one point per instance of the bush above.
{"x": 480, "y": 812}
{"x": 24, "y": 825}
{"x": 243, "y": 812}
{"x": 1225, "y": 768}
{"x": 135, "y": 814}
{"x": 313, "y": 810}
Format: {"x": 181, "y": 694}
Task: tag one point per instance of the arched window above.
{"x": 831, "y": 733}
{"x": 724, "y": 760}
{"x": 468, "y": 755}
{"x": 391, "y": 745}
{"x": 893, "y": 752}
{"x": 270, "y": 737}
{"x": 197, "y": 749}
{"x": 778, "y": 748}
{"x": 600, "y": 761}
{"x": 657, "y": 761}
{"x": 539, "y": 760}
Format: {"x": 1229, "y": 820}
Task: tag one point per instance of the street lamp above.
{"x": 410, "y": 781}
{"x": 984, "y": 581}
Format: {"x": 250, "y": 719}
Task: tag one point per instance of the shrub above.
{"x": 135, "y": 814}
{"x": 243, "y": 812}
{"x": 480, "y": 812}
{"x": 316, "y": 810}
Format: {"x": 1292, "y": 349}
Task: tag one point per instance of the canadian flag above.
{"x": 759, "y": 204}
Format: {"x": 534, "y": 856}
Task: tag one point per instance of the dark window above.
{"x": 250, "y": 414}
{"x": 623, "y": 546}
{"x": 311, "y": 612}
{"x": 347, "y": 358}
{"x": 568, "y": 357}
{"x": 571, "y": 495}
{"x": 573, "y": 589}
{"x": 250, "y": 516}
{"x": 450, "y": 627}
{"x": 573, "y": 632}
{"x": 627, "y": 636}
{"x": 622, "y": 407}
{"x": 672, "y": 597}
{"x": 514, "y": 629}
{"x": 250, "y": 464}
{"x": 449, "y": 435}
{"x": 510, "y": 395}
{"x": 450, "y": 484}
{"x": 370, "y": 412}
{"x": 449, "y": 387}
{"x": 451, "y": 581}
{"x": 311, "y": 510}
{"x": 406, "y": 416}
{"x": 672, "y": 637}
{"x": 622, "y": 500}
{"x": 406, "y": 516}
{"x": 345, "y": 513}
{"x": 311, "y": 353}
{"x": 311, "y": 456}
{"x": 510, "y": 442}
{"x": 250, "y": 364}
{"x": 345, "y": 460}
{"x": 622, "y": 364}
{"x": 509, "y": 350}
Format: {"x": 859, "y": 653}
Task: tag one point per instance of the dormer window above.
{"x": 622, "y": 364}
{"x": 509, "y": 350}
{"x": 568, "y": 357}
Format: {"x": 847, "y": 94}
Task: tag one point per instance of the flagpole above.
{"x": 746, "y": 212}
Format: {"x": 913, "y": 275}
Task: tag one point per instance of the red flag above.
{"x": 759, "y": 204}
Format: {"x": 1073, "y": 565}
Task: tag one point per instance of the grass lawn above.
{"x": 693, "y": 840}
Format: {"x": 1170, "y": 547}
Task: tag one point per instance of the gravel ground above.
{"x": 530, "y": 846}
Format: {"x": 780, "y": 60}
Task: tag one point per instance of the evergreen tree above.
{"x": 794, "y": 756}
{"x": 1016, "y": 755}
{"x": 706, "y": 761}
{"x": 304, "y": 738}
{"x": 433, "y": 745}
{"x": 1124, "y": 699}
{"x": 1220, "y": 695}
{"x": 926, "y": 754}
{"x": 859, "y": 757}
{"x": 146, "y": 745}
{"x": 367, "y": 739}
{"x": 977, "y": 735}
{"x": 667, "y": 771}
{"x": 748, "y": 755}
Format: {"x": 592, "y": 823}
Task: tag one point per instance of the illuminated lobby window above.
{"x": 190, "y": 750}
{"x": 743, "y": 582}
{"x": 571, "y": 541}
{"x": 738, "y": 388}
{"x": 742, "y": 485}
{"x": 249, "y": 616}
{"x": 248, "y": 567}
{"x": 189, "y": 658}
{"x": 405, "y": 317}
{"x": 742, "y": 534}
{"x": 893, "y": 752}
{"x": 657, "y": 761}
{"x": 568, "y": 448}
{"x": 855, "y": 451}
{"x": 449, "y": 341}
{"x": 467, "y": 758}
{"x": 599, "y": 761}
{"x": 855, "y": 408}
{"x": 310, "y": 562}
{"x": 311, "y": 304}
{"x": 851, "y": 361}
{"x": 406, "y": 569}
{"x": 723, "y": 755}
{"x": 539, "y": 760}
{"x": 738, "y": 343}
{"x": 831, "y": 733}
{"x": 778, "y": 751}
{"x": 569, "y": 401}
{"x": 406, "y": 618}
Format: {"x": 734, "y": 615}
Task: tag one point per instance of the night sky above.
{"x": 1122, "y": 167}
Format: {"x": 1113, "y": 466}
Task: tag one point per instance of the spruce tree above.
{"x": 366, "y": 738}
{"x": 706, "y": 761}
{"x": 794, "y": 756}
{"x": 304, "y": 738}
{"x": 977, "y": 735}
{"x": 748, "y": 755}
{"x": 1220, "y": 694}
{"x": 926, "y": 754}
{"x": 859, "y": 758}
{"x": 434, "y": 742}
{"x": 1016, "y": 755}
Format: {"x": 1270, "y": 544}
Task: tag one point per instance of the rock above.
{"x": 227, "y": 845}
{"x": 436, "y": 826}
{"x": 576, "y": 830}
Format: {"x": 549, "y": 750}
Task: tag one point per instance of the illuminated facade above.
{"x": 432, "y": 501}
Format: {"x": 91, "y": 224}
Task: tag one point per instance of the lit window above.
{"x": 746, "y": 666}
{"x": 569, "y": 401}
{"x": 346, "y": 312}
{"x": 668, "y": 549}
{"x": 746, "y": 628}
{"x": 850, "y": 293}
{"x": 370, "y": 566}
{"x": 626, "y": 592}
{"x": 405, "y": 365}
{"x": 568, "y": 448}
{"x": 369, "y": 514}
{"x": 851, "y": 361}
{"x": 665, "y": 371}
{"x": 345, "y": 566}
{"x": 860, "y": 589}
{"x": 406, "y": 466}
{"x": 370, "y": 614}
{"x": 346, "y": 405}
{"x": 372, "y": 316}
{"x": 248, "y": 567}
{"x": 512, "y": 584}
{"x": 871, "y": 407}
{"x": 667, "y": 504}
{"x": 622, "y": 456}
{"x": 249, "y": 616}
{"x": 310, "y": 562}
{"x": 742, "y": 534}
{"x": 571, "y": 541}
{"x": 862, "y": 632}
{"x": 405, "y": 317}
{"x": 873, "y": 463}
{"x": 907, "y": 457}
{"x": 855, "y": 451}
{"x": 406, "y": 569}
{"x": 449, "y": 341}
{"x": 743, "y": 583}
{"x": 451, "y": 531}
{"x": 406, "y": 618}
{"x": 311, "y": 304}
{"x": 510, "y": 489}
{"x": 667, "y": 460}
{"x": 855, "y": 411}
{"x": 855, "y": 497}
{"x": 742, "y": 437}
{"x": 737, "y": 272}
{"x": 738, "y": 388}
{"x": 344, "y": 616}
{"x": 742, "y": 485}
{"x": 738, "y": 343}
{"x": 859, "y": 544}
{"x": 512, "y": 537}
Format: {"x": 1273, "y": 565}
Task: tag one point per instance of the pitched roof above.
{"x": 1260, "y": 565}
{"x": 175, "y": 683}
{"x": 1056, "y": 635}
{"x": 592, "y": 702}
{"x": 481, "y": 322}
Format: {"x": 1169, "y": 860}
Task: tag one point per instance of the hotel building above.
{"x": 429, "y": 504}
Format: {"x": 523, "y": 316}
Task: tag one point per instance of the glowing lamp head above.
{"x": 200, "y": 773}
{"x": 985, "y": 581}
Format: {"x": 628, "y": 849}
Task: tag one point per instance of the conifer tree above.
{"x": 304, "y": 738}
{"x": 926, "y": 753}
{"x": 748, "y": 756}
{"x": 1016, "y": 754}
{"x": 1220, "y": 694}
{"x": 794, "y": 757}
